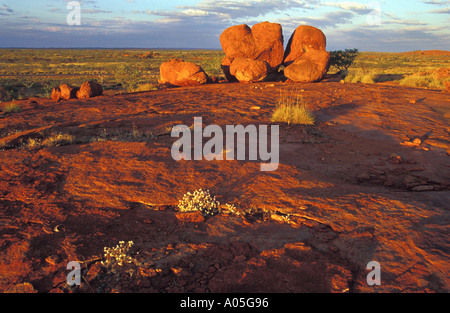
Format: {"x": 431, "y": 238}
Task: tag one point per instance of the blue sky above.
{"x": 402, "y": 25}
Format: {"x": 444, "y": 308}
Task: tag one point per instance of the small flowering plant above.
{"x": 118, "y": 254}
{"x": 200, "y": 200}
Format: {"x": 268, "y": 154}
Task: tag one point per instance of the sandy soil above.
{"x": 350, "y": 190}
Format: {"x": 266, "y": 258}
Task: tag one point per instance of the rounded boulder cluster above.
{"x": 257, "y": 54}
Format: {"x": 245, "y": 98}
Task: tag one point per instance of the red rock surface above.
{"x": 346, "y": 192}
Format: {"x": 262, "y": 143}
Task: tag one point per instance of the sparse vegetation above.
{"x": 199, "y": 200}
{"x": 127, "y": 76}
{"x": 117, "y": 255}
{"x": 34, "y": 72}
{"x": 28, "y": 73}
{"x": 12, "y": 108}
{"x": 133, "y": 135}
{"x": 360, "y": 76}
{"x": 424, "y": 80}
{"x": 58, "y": 140}
{"x": 291, "y": 109}
{"x": 53, "y": 140}
{"x": 415, "y": 69}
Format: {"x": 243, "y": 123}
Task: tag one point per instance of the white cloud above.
{"x": 441, "y": 11}
{"x": 436, "y": 2}
{"x": 6, "y": 10}
{"x": 351, "y": 6}
{"x": 195, "y": 12}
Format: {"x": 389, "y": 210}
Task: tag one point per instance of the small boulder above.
{"x": 89, "y": 89}
{"x": 177, "y": 72}
{"x": 56, "y": 94}
{"x": 310, "y": 68}
{"x": 68, "y": 92}
{"x": 249, "y": 70}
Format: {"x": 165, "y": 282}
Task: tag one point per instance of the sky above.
{"x": 386, "y": 26}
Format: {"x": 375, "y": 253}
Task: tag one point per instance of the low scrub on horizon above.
{"x": 28, "y": 73}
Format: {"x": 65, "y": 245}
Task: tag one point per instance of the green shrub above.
{"x": 342, "y": 60}
{"x": 127, "y": 76}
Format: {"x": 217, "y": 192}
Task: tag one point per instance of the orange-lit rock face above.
{"x": 305, "y": 59}
{"x": 89, "y": 89}
{"x": 346, "y": 192}
{"x": 304, "y": 38}
{"x": 177, "y": 72}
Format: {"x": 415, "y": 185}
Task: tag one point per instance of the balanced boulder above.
{"x": 177, "y": 72}
{"x": 261, "y": 43}
{"x": 306, "y": 59}
{"x": 89, "y": 89}
{"x": 269, "y": 44}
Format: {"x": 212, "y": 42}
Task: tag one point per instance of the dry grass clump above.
{"x": 54, "y": 140}
{"x": 58, "y": 140}
{"x": 291, "y": 109}
{"x": 361, "y": 76}
{"x": 435, "y": 79}
{"x": 199, "y": 200}
{"x": 12, "y": 108}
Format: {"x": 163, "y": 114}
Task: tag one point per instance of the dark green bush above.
{"x": 127, "y": 76}
{"x": 342, "y": 60}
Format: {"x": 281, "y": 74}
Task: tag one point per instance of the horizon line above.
{"x": 159, "y": 48}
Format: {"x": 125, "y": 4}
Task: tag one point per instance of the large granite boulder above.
{"x": 306, "y": 59}
{"x": 177, "y": 72}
